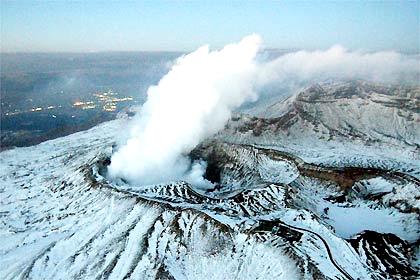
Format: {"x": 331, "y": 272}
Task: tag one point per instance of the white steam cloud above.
{"x": 339, "y": 63}
{"x": 195, "y": 100}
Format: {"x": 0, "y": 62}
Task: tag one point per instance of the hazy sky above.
{"x": 62, "y": 26}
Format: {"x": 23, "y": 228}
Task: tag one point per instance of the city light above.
{"x": 107, "y": 101}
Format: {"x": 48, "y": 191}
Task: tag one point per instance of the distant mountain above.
{"x": 356, "y": 110}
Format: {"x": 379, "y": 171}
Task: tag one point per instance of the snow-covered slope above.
{"x": 348, "y": 123}
{"x": 288, "y": 203}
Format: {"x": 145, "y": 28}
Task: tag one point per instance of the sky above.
{"x": 92, "y": 26}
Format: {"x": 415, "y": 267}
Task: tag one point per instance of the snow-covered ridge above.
{"x": 349, "y": 123}
{"x": 356, "y": 110}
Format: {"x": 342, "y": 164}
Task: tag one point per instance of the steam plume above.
{"x": 193, "y": 101}
{"x": 340, "y": 63}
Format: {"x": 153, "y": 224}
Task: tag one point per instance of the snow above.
{"x": 282, "y": 172}
{"x": 357, "y": 215}
{"x": 349, "y": 221}
{"x": 56, "y": 223}
{"x": 377, "y": 185}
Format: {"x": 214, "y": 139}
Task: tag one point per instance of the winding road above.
{"x": 330, "y": 256}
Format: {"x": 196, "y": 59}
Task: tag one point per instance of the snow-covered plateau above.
{"x": 322, "y": 185}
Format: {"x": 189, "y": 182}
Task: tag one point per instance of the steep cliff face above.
{"x": 324, "y": 185}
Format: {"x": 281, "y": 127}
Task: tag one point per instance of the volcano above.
{"x": 322, "y": 185}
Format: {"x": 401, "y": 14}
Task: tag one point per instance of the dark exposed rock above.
{"x": 386, "y": 253}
